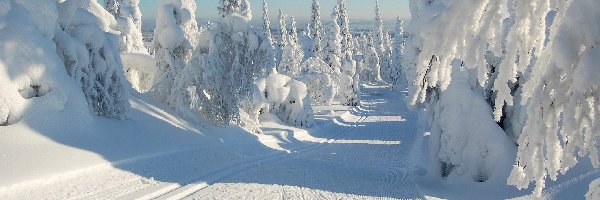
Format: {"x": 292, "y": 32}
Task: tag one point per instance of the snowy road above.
{"x": 359, "y": 153}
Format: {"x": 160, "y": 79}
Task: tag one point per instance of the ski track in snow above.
{"x": 361, "y": 154}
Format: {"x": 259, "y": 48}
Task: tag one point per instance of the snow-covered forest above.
{"x": 463, "y": 100}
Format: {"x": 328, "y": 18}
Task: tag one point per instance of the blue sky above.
{"x": 358, "y": 9}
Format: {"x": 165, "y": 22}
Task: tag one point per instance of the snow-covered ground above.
{"x": 350, "y": 153}
{"x": 358, "y": 152}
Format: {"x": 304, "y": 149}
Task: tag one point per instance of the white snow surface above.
{"x": 368, "y": 152}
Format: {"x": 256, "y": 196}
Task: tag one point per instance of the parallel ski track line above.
{"x": 183, "y": 191}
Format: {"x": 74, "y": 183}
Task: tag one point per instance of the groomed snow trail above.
{"x": 350, "y": 153}
{"x": 366, "y": 159}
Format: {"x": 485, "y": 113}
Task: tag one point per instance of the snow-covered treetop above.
{"x": 176, "y": 22}
{"x": 227, "y": 7}
{"x": 246, "y": 9}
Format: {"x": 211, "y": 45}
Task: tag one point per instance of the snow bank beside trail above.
{"x": 288, "y": 99}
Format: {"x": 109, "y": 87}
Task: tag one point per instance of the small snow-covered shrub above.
{"x": 318, "y": 78}
{"x": 285, "y": 97}
{"x": 349, "y": 87}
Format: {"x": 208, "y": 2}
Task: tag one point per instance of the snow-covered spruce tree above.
{"x": 282, "y": 42}
{"x": 91, "y": 56}
{"x": 387, "y": 58}
{"x": 229, "y": 6}
{"x": 531, "y": 68}
{"x": 232, "y": 56}
{"x": 271, "y": 60}
{"x": 371, "y": 70}
{"x": 129, "y": 24}
{"x": 112, "y": 6}
{"x": 446, "y": 64}
{"x": 562, "y": 121}
{"x": 396, "y": 73}
{"x": 292, "y": 54}
{"x": 245, "y": 9}
{"x": 333, "y": 49}
{"x": 344, "y": 23}
{"x": 267, "y": 21}
{"x": 136, "y": 58}
{"x": 349, "y": 87}
{"x": 176, "y": 28}
{"x": 320, "y": 80}
{"x": 379, "y": 45}
{"x": 296, "y": 46}
{"x": 316, "y": 31}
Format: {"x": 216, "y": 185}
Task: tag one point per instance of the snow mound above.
{"x": 285, "y": 97}
{"x": 140, "y": 69}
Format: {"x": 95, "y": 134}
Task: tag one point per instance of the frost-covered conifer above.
{"x": 292, "y": 54}
{"x": 112, "y": 6}
{"x": 514, "y": 65}
{"x": 129, "y": 24}
{"x": 371, "y": 70}
{"x": 562, "y": 97}
{"x": 272, "y": 61}
{"x": 378, "y": 35}
{"x": 283, "y": 39}
{"x": 396, "y": 74}
{"x": 344, "y": 24}
{"x": 91, "y": 56}
{"x": 386, "y": 58}
{"x": 333, "y": 50}
{"x": 245, "y": 9}
{"x": 316, "y": 31}
{"x": 176, "y": 28}
{"x": 232, "y": 56}
{"x": 228, "y": 7}
{"x": 267, "y": 22}
{"x": 448, "y": 72}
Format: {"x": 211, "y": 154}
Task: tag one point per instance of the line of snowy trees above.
{"x": 222, "y": 73}
{"x": 510, "y": 85}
